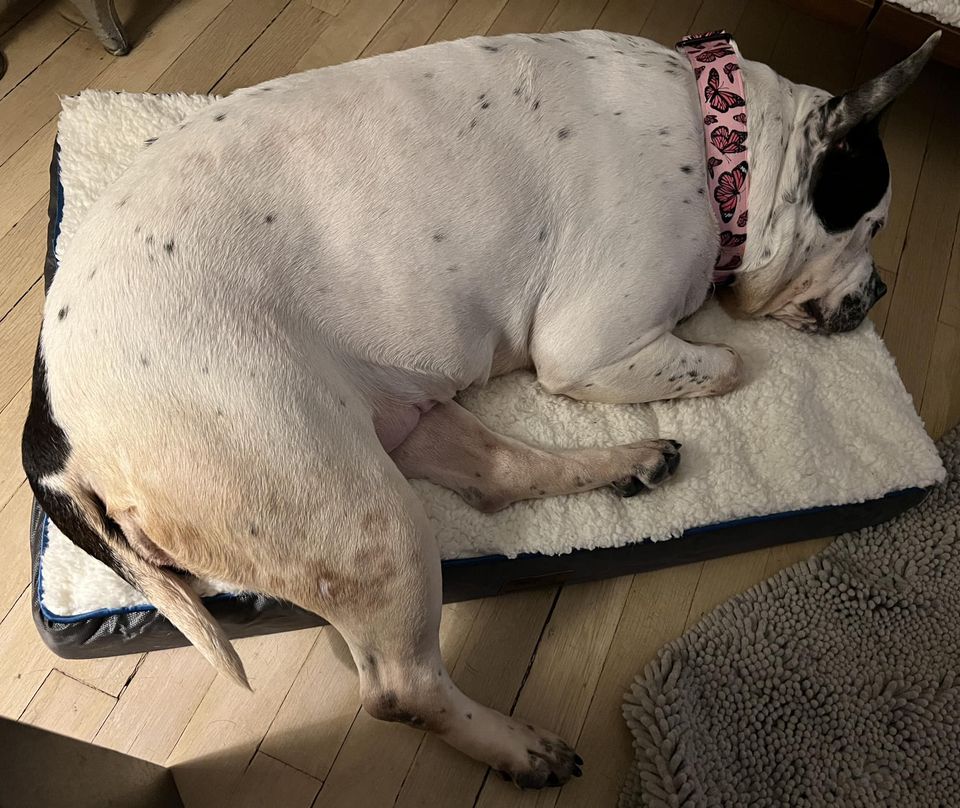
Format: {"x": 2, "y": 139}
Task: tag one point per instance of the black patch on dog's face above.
{"x": 850, "y": 178}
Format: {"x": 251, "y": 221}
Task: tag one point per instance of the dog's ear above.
{"x": 864, "y": 104}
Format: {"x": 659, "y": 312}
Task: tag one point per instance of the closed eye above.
{"x": 876, "y": 227}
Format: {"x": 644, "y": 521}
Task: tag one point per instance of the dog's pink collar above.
{"x": 716, "y": 66}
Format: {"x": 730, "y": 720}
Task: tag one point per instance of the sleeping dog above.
{"x": 258, "y": 333}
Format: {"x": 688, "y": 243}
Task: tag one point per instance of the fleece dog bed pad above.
{"x": 819, "y": 425}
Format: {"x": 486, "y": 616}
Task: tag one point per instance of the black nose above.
{"x": 877, "y": 287}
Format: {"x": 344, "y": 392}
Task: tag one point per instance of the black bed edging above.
{"x": 134, "y": 632}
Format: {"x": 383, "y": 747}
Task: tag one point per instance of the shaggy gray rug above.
{"x": 837, "y": 682}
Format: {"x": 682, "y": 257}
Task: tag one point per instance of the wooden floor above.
{"x": 560, "y": 657}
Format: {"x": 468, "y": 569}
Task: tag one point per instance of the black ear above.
{"x": 842, "y": 113}
{"x": 851, "y": 175}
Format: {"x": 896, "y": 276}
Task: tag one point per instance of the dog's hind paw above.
{"x": 648, "y": 474}
{"x": 550, "y": 762}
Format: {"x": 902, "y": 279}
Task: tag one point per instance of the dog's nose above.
{"x": 877, "y": 287}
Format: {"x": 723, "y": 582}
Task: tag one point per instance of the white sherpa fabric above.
{"x": 946, "y": 11}
{"x": 818, "y": 421}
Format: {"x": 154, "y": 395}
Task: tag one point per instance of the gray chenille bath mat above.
{"x": 837, "y": 682}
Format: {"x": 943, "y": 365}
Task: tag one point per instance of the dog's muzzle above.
{"x": 852, "y": 309}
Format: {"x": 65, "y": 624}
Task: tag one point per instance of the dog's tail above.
{"x": 177, "y": 601}
{"x": 167, "y": 591}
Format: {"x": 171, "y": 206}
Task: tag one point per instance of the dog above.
{"x": 258, "y": 333}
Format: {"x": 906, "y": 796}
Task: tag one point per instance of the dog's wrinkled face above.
{"x": 818, "y": 274}
{"x": 831, "y": 279}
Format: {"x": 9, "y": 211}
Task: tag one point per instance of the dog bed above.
{"x": 821, "y": 438}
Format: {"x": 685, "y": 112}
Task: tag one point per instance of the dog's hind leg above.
{"x": 668, "y": 367}
{"x": 391, "y": 623}
{"x": 452, "y": 448}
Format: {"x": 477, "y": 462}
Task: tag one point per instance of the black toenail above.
{"x": 629, "y": 487}
{"x": 578, "y": 760}
{"x": 577, "y": 772}
{"x": 672, "y": 462}
{"x": 553, "y": 780}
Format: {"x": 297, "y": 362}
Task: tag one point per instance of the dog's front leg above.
{"x": 668, "y": 367}
{"x": 452, "y": 448}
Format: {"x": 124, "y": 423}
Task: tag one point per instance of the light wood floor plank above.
{"x": 29, "y": 43}
{"x": 278, "y": 49}
{"x": 950, "y": 305}
{"x": 625, "y": 16}
{"x": 319, "y": 710}
{"x": 221, "y": 43}
{"x": 941, "y": 395}
{"x": 522, "y": 15}
{"x": 25, "y": 662}
{"x": 33, "y": 102}
{"x": 270, "y": 782}
{"x": 155, "y": 708}
{"x": 411, "y": 25}
{"x": 65, "y": 706}
{"x": 760, "y": 27}
{"x": 718, "y": 14}
{"x": 394, "y": 746}
{"x": 654, "y": 612}
{"x": 228, "y": 725}
{"x": 722, "y": 578}
{"x": 560, "y": 686}
{"x": 669, "y": 20}
{"x": 468, "y": 18}
{"x": 15, "y": 548}
{"x": 18, "y": 336}
{"x": 23, "y": 249}
{"x": 348, "y": 34}
{"x": 912, "y": 319}
{"x": 11, "y": 429}
{"x": 491, "y": 655}
{"x": 811, "y": 51}
{"x": 573, "y": 15}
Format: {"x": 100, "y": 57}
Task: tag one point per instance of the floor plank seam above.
{"x": 19, "y": 300}
{"x": 33, "y": 697}
{"x": 13, "y": 605}
{"x": 606, "y": 656}
{"x": 252, "y": 43}
{"x": 82, "y": 682}
{"x": 37, "y": 66}
{"x": 536, "y": 647}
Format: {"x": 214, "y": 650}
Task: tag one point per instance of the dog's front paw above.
{"x": 660, "y": 460}
{"x": 550, "y": 761}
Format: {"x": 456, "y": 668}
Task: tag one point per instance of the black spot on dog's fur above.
{"x": 222, "y": 115}
{"x": 254, "y": 530}
{"x": 563, "y": 134}
{"x": 664, "y": 132}
{"x": 591, "y": 57}
{"x": 542, "y": 235}
{"x": 618, "y": 113}
{"x": 149, "y": 141}
{"x": 469, "y": 716}
{"x": 453, "y": 268}
{"x": 268, "y": 218}
{"x": 428, "y": 75}
{"x": 144, "y": 360}
{"x": 62, "y": 314}
{"x": 485, "y": 105}
{"x": 168, "y": 247}
{"x": 473, "y": 123}
{"x": 686, "y": 169}
{"x": 438, "y": 237}
{"x": 490, "y": 48}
